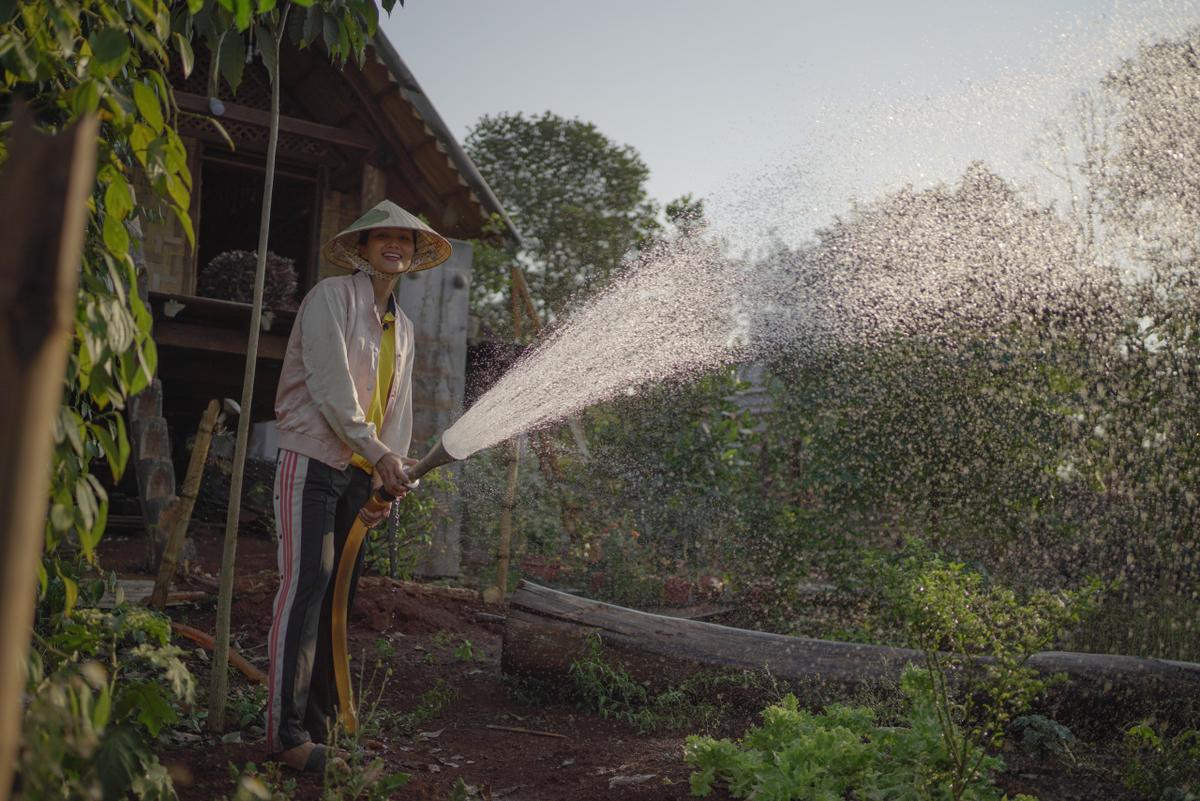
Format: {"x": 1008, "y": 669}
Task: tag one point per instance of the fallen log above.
{"x": 546, "y": 630}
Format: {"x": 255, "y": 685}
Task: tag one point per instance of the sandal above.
{"x": 320, "y": 757}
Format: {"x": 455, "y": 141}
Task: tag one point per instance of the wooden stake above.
{"x": 43, "y": 195}
{"x": 506, "y": 517}
{"x": 179, "y": 513}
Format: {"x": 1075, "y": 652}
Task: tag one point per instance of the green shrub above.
{"x": 104, "y": 685}
{"x": 1162, "y": 767}
{"x": 602, "y": 688}
{"x": 840, "y": 753}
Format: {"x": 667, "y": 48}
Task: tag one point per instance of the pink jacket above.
{"x": 329, "y": 373}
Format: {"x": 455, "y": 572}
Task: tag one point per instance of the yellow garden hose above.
{"x": 379, "y": 501}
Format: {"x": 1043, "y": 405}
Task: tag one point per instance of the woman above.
{"x": 344, "y": 415}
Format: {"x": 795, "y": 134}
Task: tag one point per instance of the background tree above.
{"x": 577, "y": 197}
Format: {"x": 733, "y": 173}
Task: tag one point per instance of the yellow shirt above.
{"x": 383, "y": 385}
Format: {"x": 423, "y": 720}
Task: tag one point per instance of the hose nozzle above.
{"x": 435, "y": 458}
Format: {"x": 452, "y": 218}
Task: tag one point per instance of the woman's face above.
{"x": 389, "y": 250}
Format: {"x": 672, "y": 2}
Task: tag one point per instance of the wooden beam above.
{"x": 219, "y": 340}
{"x": 418, "y": 182}
{"x": 346, "y": 137}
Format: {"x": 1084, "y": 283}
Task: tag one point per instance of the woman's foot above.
{"x": 312, "y": 758}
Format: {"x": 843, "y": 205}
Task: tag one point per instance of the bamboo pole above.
{"x": 179, "y": 513}
{"x": 219, "y": 685}
{"x": 503, "y": 550}
{"x": 43, "y": 195}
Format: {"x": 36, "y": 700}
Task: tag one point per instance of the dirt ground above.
{"x": 447, "y": 641}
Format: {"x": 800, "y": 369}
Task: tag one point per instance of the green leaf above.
{"x": 120, "y": 758}
{"x": 314, "y": 23}
{"x": 71, "y": 593}
{"x": 122, "y": 442}
{"x": 139, "y": 139}
{"x": 116, "y": 238}
{"x": 148, "y": 704}
{"x": 185, "y": 222}
{"x": 264, "y": 6}
{"x": 86, "y": 97}
{"x": 195, "y": 6}
{"x": 270, "y": 53}
{"x": 241, "y": 14}
{"x": 330, "y": 30}
{"x": 72, "y": 427}
{"x": 187, "y": 58}
{"x": 85, "y": 503}
{"x": 118, "y": 198}
{"x": 16, "y": 58}
{"x": 112, "y": 451}
{"x": 110, "y": 50}
{"x": 103, "y": 709}
{"x": 150, "y": 44}
{"x": 178, "y": 191}
{"x": 60, "y": 517}
{"x": 148, "y": 106}
{"x": 231, "y": 60}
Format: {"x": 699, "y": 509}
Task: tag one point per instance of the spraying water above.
{"x": 966, "y": 361}
{"x": 922, "y": 263}
{"x": 970, "y": 256}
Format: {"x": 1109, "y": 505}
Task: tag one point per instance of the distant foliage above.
{"x": 578, "y": 198}
{"x": 1149, "y": 180}
{"x": 230, "y": 276}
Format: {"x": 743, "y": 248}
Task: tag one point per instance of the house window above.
{"x": 231, "y": 192}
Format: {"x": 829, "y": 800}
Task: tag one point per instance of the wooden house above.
{"x": 349, "y": 137}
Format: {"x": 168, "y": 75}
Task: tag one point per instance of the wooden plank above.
{"x": 347, "y": 137}
{"x": 219, "y": 340}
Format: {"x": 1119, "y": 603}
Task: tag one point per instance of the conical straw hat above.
{"x": 432, "y": 247}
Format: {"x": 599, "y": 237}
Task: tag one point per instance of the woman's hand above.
{"x": 390, "y": 470}
{"x": 372, "y": 519}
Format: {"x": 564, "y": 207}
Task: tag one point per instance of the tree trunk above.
{"x": 546, "y": 631}
{"x": 219, "y": 683}
{"x": 43, "y": 214}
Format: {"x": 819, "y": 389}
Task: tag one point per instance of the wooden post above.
{"x": 43, "y": 195}
{"x": 503, "y": 551}
{"x": 179, "y": 513}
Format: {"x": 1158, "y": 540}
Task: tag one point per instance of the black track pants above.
{"x": 315, "y": 506}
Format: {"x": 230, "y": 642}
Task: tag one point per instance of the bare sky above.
{"x": 778, "y": 111}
